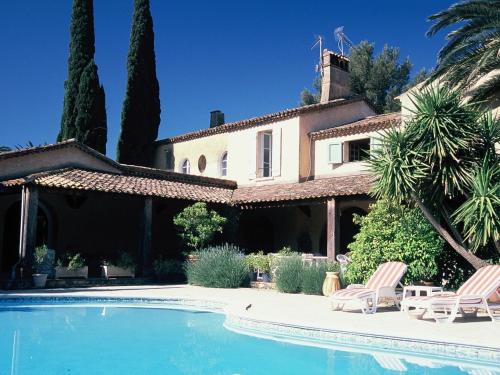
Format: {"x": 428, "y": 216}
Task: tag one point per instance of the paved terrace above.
{"x": 304, "y": 310}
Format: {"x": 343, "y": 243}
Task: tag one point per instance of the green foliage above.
{"x": 286, "y": 251}
{"x": 453, "y": 270}
{"x": 471, "y": 54}
{"x": 380, "y": 78}
{"x": 125, "y": 260}
{"x": 84, "y": 113}
{"x": 218, "y": 267}
{"x": 169, "y": 269}
{"x": 258, "y": 261}
{"x": 198, "y": 224}
{"x": 391, "y": 232}
{"x": 43, "y": 259}
{"x": 141, "y": 107}
{"x": 71, "y": 261}
{"x": 445, "y": 158}
{"x": 288, "y": 276}
{"x": 313, "y": 277}
{"x": 307, "y": 97}
{"x": 90, "y": 120}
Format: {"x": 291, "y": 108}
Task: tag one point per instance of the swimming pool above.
{"x": 113, "y": 338}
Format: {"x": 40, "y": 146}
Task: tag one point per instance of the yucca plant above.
{"x": 444, "y": 161}
{"x": 471, "y": 55}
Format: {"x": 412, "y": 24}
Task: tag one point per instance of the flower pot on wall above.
{"x": 39, "y": 280}
{"x": 115, "y": 271}
{"x": 64, "y": 272}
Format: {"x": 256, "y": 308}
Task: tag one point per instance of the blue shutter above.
{"x": 335, "y": 153}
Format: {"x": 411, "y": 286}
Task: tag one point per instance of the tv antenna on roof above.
{"x": 319, "y": 42}
{"x": 341, "y": 38}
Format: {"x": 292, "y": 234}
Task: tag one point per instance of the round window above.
{"x": 202, "y": 163}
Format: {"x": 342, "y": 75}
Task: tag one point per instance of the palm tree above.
{"x": 444, "y": 162}
{"x": 470, "y": 61}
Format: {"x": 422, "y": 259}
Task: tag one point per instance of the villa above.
{"x": 296, "y": 177}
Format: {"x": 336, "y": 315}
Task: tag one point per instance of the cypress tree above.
{"x": 90, "y": 111}
{"x": 141, "y": 107}
{"x": 80, "y": 60}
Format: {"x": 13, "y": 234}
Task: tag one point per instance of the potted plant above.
{"x": 259, "y": 266}
{"x": 124, "y": 266}
{"x": 71, "y": 266}
{"x": 43, "y": 261}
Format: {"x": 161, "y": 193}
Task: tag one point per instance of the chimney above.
{"x": 335, "y": 81}
{"x": 216, "y": 118}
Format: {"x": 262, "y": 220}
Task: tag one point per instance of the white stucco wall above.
{"x": 292, "y": 157}
{"x": 325, "y": 119}
{"x": 242, "y": 151}
{"x": 212, "y": 147}
{"x": 322, "y": 168}
{"x": 51, "y": 159}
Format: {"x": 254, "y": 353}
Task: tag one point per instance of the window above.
{"x": 265, "y": 157}
{"x": 185, "y": 167}
{"x": 359, "y": 150}
{"x": 202, "y": 163}
{"x": 223, "y": 164}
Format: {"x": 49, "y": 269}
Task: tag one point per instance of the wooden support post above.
{"x": 332, "y": 229}
{"x": 29, "y": 218}
{"x": 144, "y": 264}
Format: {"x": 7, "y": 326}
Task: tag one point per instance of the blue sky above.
{"x": 244, "y": 58}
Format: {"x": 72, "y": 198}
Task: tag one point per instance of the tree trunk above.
{"x": 476, "y": 262}
{"x": 497, "y": 245}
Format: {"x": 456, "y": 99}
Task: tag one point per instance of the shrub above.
{"x": 125, "y": 260}
{"x": 258, "y": 261}
{"x": 43, "y": 259}
{"x": 312, "y": 278}
{"x": 218, "y": 267}
{"x": 169, "y": 269}
{"x": 289, "y": 274}
{"x": 391, "y": 232}
{"x": 71, "y": 261}
{"x": 198, "y": 225}
{"x": 314, "y": 275}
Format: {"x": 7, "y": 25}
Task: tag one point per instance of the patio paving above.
{"x": 304, "y": 310}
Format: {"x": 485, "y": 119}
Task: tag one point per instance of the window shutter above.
{"x": 335, "y": 153}
{"x": 252, "y": 156}
{"x": 375, "y": 144}
{"x": 276, "y": 153}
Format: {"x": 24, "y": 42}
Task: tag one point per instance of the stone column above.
{"x": 144, "y": 261}
{"x": 332, "y": 229}
{"x": 29, "y": 218}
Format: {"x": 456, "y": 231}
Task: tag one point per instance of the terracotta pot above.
{"x": 331, "y": 283}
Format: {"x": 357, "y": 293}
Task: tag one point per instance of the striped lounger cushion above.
{"x": 348, "y": 294}
{"x": 448, "y": 299}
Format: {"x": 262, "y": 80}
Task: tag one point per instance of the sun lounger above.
{"x": 471, "y": 296}
{"x": 382, "y": 284}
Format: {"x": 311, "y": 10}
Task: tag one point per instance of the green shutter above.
{"x": 375, "y": 144}
{"x": 335, "y": 153}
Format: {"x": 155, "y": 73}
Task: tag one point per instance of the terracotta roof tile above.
{"x": 320, "y": 188}
{"x": 368, "y": 124}
{"x": 269, "y": 118}
{"x": 80, "y": 179}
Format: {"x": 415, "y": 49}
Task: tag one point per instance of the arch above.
{"x": 256, "y": 232}
{"x": 348, "y": 229}
{"x": 185, "y": 166}
{"x": 223, "y": 164}
{"x": 12, "y": 220}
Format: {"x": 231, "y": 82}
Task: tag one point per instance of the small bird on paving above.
{"x": 248, "y": 307}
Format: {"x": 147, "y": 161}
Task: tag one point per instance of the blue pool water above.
{"x": 89, "y": 339}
